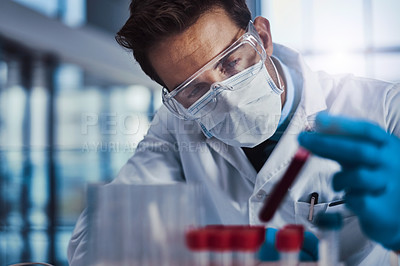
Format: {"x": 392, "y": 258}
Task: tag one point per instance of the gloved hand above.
{"x": 370, "y": 174}
{"x": 268, "y": 252}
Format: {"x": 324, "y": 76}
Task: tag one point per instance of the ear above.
{"x": 263, "y": 28}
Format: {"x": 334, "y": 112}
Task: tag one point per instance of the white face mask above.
{"x": 247, "y": 113}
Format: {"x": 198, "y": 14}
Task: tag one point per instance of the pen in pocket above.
{"x": 335, "y": 203}
{"x": 313, "y": 201}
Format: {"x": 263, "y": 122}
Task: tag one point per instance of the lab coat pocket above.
{"x": 351, "y": 239}
{"x": 305, "y": 213}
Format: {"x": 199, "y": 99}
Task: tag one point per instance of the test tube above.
{"x": 225, "y": 245}
{"x": 246, "y": 241}
{"x": 288, "y": 242}
{"x": 329, "y": 225}
{"x": 298, "y": 227}
{"x": 280, "y": 190}
{"x": 220, "y": 244}
{"x": 197, "y": 241}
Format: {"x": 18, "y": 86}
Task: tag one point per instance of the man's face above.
{"x": 181, "y": 55}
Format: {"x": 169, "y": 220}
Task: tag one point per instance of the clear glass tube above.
{"x": 245, "y": 258}
{"x": 201, "y": 258}
{"x": 222, "y": 258}
{"x": 289, "y": 258}
{"x": 328, "y": 248}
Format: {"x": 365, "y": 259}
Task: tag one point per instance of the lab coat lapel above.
{"x": 282, "y": 154}
{"x": 235, "y": 156}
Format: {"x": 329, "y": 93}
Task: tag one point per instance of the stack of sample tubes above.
{"x": 220, "y": 245}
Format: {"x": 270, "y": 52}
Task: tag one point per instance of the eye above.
{"x": 195, "y": 92}
{"x": 231, "y": 66}
{"x": 233, "y": 63}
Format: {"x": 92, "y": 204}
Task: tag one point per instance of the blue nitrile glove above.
{"x": 370, "y": 174}
{"x": 268, "y": 252}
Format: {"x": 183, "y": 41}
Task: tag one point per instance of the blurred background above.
{"x": 74, "y": 105}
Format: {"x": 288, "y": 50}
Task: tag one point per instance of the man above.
{"x": 234, "y": 104}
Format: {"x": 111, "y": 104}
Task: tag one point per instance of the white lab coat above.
{"x": 177, "y": 151}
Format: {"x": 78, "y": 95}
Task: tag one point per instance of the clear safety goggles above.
{"x": 202, "y": 87}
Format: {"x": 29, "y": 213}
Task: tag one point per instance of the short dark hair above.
{"x": 151, "y": 21}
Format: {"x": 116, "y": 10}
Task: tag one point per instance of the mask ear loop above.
{"x": 281, "y": 86}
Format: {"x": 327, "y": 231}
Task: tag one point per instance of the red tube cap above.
{"x": 197, "y": 239}
{"x": 289, "y": 239}
{"x": 219, "y": 240}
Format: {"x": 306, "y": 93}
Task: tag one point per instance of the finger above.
{"x": 361, "y": 180}
{"x": 358, "y": 129}
{"x": 341, "y": 149}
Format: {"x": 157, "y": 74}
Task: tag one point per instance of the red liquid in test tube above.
{"x": 278, "y": 193}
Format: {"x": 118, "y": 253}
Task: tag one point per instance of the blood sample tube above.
{"x": 220, "y": 246}
{"x": 197, "y": 241}
{"x": 280, "y": 190}
{"x": 288, "y": 242}
{"x": 246, "y": 242}
{"x": 298, "y": 227}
